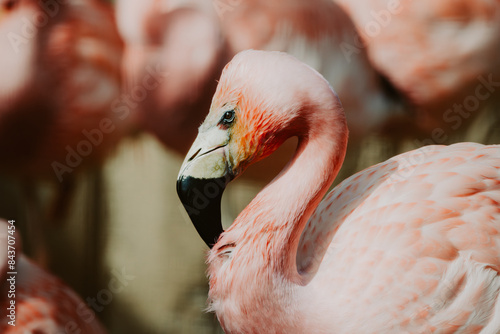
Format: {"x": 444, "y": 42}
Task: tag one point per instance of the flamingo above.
{"x": 173, "y": 52}
{"x": 42, "y": 303}
{"x": 59, "y": 75}
{"x": 410, "y": 245}
{"x": 443, "y": 57}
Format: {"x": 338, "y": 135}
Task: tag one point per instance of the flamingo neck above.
{"x": 281, "y": 210}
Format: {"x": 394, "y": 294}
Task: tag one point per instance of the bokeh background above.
{"x": 99, "y": 102}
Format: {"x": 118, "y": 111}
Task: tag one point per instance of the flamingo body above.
{"x": 410, "y": 245}
{"x": 436, "y": 54}
{"x": 59, "y": 78}
{"x": 43, "y": 303}
{"x": 414, "y": 248}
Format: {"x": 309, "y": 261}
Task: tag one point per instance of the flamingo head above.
{"x": 261, "y": 100}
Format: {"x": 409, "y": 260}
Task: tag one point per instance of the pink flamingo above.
{"x": 173, "y": 53}
{"x": 42, "y": 303}
{"x": 410, "y": 245}
{"x": 59, "y": 76}
{"x": 442, "y": 56}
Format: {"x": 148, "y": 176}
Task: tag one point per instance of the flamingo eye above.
{"x": 228, "y": 118}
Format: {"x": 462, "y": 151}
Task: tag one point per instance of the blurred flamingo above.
{"x": 408, "y": 245}
{"x": 42, "y": 303}
{"x": 443, "y": 57}
{"x": 173, "y": 54}
{"x": 60, "y": 74}
{"x": 59, "y": 77}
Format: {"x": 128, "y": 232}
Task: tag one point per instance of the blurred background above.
{"x": 99, "y": 102}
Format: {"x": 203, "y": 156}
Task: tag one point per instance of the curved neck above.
{"x": 283, "y": 207}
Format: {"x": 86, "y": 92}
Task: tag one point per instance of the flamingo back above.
{"x": 414, "y": 243}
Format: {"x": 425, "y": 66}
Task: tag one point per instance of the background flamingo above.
{"x": 181, "y": 45}
{"x": 59, "y": 78}
{"x": 409, "y": 245}
{"x": 43, "y": 304}
{"x": 436, "y": 55}
{"x": 59, "y": 75}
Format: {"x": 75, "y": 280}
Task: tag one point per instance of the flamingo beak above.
{"x": 200, "y": 184}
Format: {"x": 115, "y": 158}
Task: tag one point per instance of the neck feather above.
{"x": 282, "y": 209}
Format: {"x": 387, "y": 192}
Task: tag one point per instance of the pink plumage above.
{"x": 59, "y": 78}
{"x": 436, "y": 54}
{"x": 410, "y": 245}
{"x": 42, "y": 302}
{"x": 173, "y": 53}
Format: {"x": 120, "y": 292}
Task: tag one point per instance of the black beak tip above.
{"x": 202, "y": 200}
